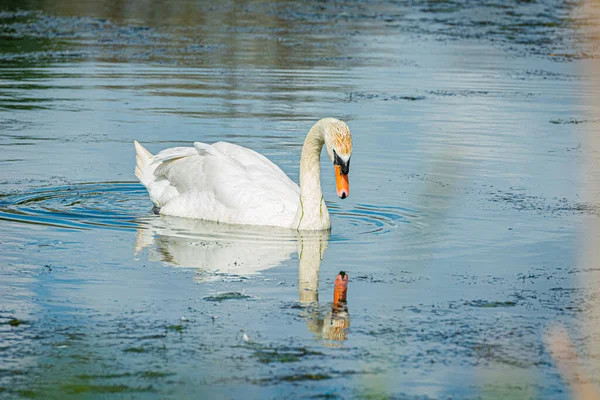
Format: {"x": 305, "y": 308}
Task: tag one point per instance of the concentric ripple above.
{"x": 105, "y": 205}
{"x": 124, "y": 205}
{"x": 367, "y": 219}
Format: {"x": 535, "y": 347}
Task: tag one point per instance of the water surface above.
{"x": 460, "y": 236}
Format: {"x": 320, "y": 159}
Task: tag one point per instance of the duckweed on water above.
{"x": 15, "y": 322}
{"x": 75, "y": 336}
{"x": 155, "y": 374}
{"x": 27, "y": 393}
{"x": 141, "y": 374}
{"x": 83, "y": 388}
{"x": 491, "y": 304}
{"x": 562, "y": 121}
{"x": 134, "y": 350}
{"x": 294, "y": 378}
{"x": 227, "y": 296}
{"x": 176, "y": 328}
{"x": 283, "y": 355}
{"x": 305, "y": 377}
{"x": 105, "y": 376}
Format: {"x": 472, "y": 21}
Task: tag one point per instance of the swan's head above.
{"x": 338, "y": 141}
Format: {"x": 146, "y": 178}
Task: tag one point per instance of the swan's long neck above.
{"x": 312, "y": 212}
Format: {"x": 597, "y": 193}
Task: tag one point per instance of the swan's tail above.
{"x": 142, "y": 163}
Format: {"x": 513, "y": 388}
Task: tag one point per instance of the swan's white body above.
{"x": 228, "y": 183}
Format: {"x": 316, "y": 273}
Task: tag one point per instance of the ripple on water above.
{"x": 104, "y": 205}
{"x": 124, "y": 205}
{"x": 369, "y": 220}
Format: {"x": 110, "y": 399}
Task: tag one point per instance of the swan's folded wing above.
{"x": 254, "y": 161}
{"x": 211, "y": 173}
{"x": 215, "y": 186}
{"x": 171, "y": 154}
{"x": 195, "y": 168}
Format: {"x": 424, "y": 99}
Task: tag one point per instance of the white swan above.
{"x": 228, "y": 183}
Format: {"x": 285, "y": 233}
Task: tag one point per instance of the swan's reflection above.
{"x": 334, "y": 325}
{"x": 216, "y": 249}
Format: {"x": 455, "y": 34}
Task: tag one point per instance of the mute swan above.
{"x": 228, "y": 183}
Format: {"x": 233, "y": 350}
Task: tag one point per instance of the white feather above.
{"x": 228, "y": 183}
{"x": 221, "y": 182}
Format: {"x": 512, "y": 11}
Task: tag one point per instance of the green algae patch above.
{"x": 75, "y": 336}
{"x": 227, "y": 296}
{"x": 267, "y": 357}
{"x": 141, "y": 374}
{"x": 305, "y": 377}
{"x": 72, "y": 388}
{"x": 105, "y": 376}
{"x": 134, "y": 350}
{"x": 412, "y": 98}
{"x": 562, "y": 121}
{"x": 11, "y": 372}
{"x": 491, "y": 304}
{"x": 176, "y": 328}
{"x": 294, "y": 378}
{"x": 283, "y": 355}
{"x": 30, "y": 394}
{"x": 15, "y": 322}
{"x": 159, "y": 336}
{"x": 154, "y": 374}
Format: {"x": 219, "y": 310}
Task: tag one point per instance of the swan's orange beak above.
{"x": 341, "y": 182}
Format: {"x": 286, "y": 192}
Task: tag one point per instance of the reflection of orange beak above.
{"x": 341, "y": 286}
{"x": 341, "y": 182}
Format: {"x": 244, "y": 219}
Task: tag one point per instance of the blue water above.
{"x": 461, "y": 235}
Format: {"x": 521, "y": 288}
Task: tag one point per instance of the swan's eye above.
{"x": 344, "y": 165}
